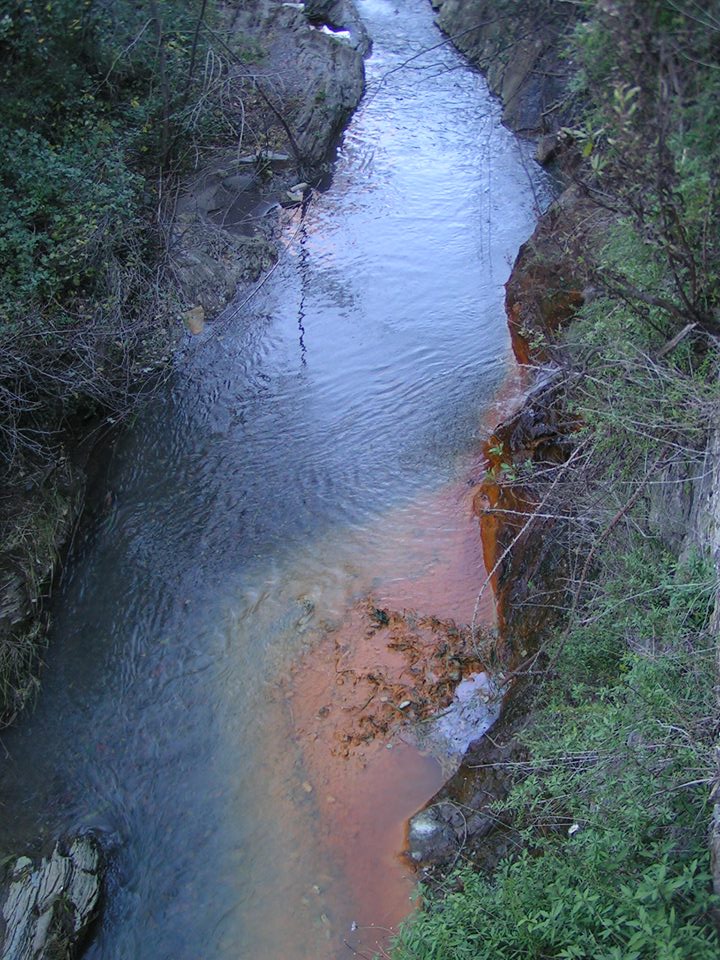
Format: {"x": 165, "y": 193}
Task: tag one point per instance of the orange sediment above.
{"x": 393, "y": 656}
{"x": 397, "y": 656}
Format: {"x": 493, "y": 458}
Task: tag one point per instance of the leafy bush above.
{"x": 97, "y": 110}
{"x": 542, "y": 907}
{"x": 64, "y": 208}
{"x": 646, "y": 71}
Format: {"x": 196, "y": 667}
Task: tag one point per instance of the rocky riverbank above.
{"x": 300, "y": 95}
{"x": 50, "y": 905}
{"x": 534, "y": 455}
{"x": 288, "y": 103}
{"x": 523, "y": 556}
{"x": 519, "y": 48}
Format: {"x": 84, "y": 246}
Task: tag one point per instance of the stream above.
{"x": 313, "y": 448}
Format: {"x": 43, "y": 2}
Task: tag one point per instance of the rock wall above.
{"x": 518, "y": 44}
{"x": 297, "y": 99}
{"x": 37, "y": 519}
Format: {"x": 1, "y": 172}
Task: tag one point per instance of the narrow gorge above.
{"x": 406, "y": 567}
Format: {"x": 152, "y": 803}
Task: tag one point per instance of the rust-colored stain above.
{"x": 434, "y": 564}
{"x": 395, "y": 657}
{"x": 350, "y": 698}
{"x": 551, "y": 312}
{"x": 520, "y": 343}
{"x": 516, "y": 543}
{"x": 544, "y": 290}
{"x": 403, "y": 644}
{"x": 502, "y": 508}
{"x": 378, "y": 672}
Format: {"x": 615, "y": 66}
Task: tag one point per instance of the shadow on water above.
{"x": 311, "y": 450}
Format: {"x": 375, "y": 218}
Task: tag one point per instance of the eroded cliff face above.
{"x": 519, "y": 46}
{"x": 548, "y": 282}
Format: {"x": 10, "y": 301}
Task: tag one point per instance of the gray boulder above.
{"x": 48, "y": 907}
{"x": 430, "y": 839}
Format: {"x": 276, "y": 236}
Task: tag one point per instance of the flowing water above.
{"x": 314, "y": 446}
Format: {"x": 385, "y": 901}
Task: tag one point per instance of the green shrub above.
{"x": 64, "y": 208}
{"x": 542, "y": 907}
{"x": 97, "y": 113}
{"x": 612, "y": 814}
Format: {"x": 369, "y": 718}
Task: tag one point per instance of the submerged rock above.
{"x": 461, "y": 815}
{"x": 473, "y": 710}
{"x": 195, "y": 320}
{"x": 48, "y": 907}
{"x": 430, "y": 839}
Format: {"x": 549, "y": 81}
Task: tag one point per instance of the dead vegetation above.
{"x": 385, "y": 669}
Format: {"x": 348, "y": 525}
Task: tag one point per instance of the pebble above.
{"x": 307, "y": 787}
